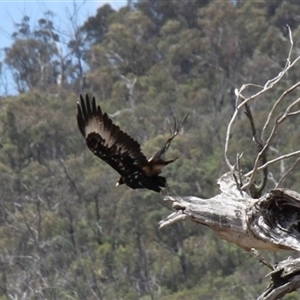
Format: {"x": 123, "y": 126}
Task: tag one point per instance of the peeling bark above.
{"x": 285, "y": 279}
{"x": 240, "y": 214}
{"x": 269, "y": 223}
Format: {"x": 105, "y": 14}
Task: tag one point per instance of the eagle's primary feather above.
{"x": 107, "y": 141}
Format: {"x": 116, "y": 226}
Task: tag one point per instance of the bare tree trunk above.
{"x": 241, "y": 213}
{"x": 269, "y": 223}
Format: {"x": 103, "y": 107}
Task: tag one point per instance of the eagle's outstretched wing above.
{"x": 106, "y": 140}
{"x": 156, "y": 163}
{"x": 158, "y": 154}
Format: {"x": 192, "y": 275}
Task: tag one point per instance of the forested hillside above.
{"x": 66, "y": 231}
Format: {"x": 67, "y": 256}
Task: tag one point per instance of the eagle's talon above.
{"x": 166, "y": 190}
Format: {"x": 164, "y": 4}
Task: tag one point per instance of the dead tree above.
{"x": 241, "y": 213}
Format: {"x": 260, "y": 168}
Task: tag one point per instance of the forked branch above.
{"x": 256, "y": 189}
{"x": 262, "y": 141}
{"x": 278, "y": 121}
{"x": 270, "y": 221}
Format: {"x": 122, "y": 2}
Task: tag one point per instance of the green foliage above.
{"x": 66, "y": 231}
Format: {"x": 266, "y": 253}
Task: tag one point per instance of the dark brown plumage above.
{"x": 107, "y": 141}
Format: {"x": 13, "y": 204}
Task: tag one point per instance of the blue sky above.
{"x": 12, "y": 12}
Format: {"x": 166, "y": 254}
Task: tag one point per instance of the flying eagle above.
{"x": 107, "y": 141}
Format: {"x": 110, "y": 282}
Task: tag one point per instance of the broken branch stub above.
{"x": 269, "y": 223}
{"x": 285, "y": 279}
{"x": 276, "y": 218}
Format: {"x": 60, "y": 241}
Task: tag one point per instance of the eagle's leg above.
{"x": 166, "y": 190}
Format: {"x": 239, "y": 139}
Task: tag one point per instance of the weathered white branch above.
{"x": 279, "y": 120}
{"x": 285, "y": 279}
{"x": 287, "y": 173}
{"x": 295, "y": 153}
{"x": 268, "y": 85}
{"x": 270, "y": 223}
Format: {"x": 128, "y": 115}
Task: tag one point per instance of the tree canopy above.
{"x": 66, "y": 231}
